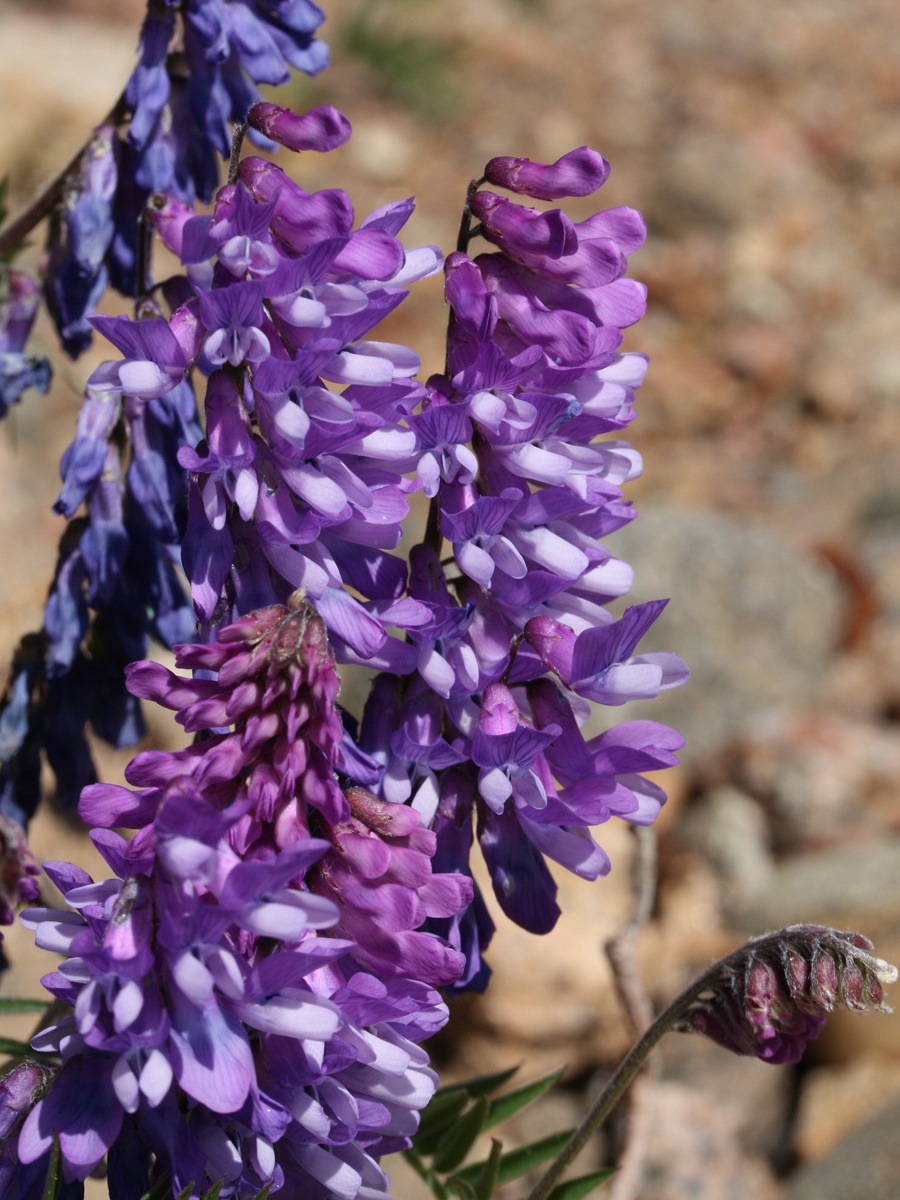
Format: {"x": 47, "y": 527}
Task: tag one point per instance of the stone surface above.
{"x": 755, "y": 617}
{"x": 693, "y": 1151}
{"x": 863, "y": 1166}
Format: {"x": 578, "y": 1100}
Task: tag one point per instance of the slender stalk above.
{"x": 625, "y": 1073}
{"x": 45, "y": 202}
{"x": 237, "y": 141}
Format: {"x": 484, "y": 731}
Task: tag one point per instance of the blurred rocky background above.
{"x": 762, "y": 142}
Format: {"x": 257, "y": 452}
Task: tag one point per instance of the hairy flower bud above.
{"x": 772, "y": 996}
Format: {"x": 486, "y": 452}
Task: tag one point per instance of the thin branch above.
{"x": 635, "y": 1000}
{"x": 620, "y": 949}
{"x": 631, "y": 1065}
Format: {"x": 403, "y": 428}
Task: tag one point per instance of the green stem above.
{"x": 625, "y": 1074}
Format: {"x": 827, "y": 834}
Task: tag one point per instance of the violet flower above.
{"x": 18, "y": 370}
{"x": 198, "y": 67}
{"x": 520, "y": 455}
{"x": 249, "y": 991}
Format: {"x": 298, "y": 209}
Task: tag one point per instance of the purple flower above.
{"x": 18, "y": 370}
{"x": 196, "y": 76}
{"x": 247, "y": 997}
{"x": 75, "y": 274}
{"x": 320, "y": 129}
{"x": 379, "y": 872}
{"x": 600, "y": 664}
{"x": 578, "y": 173}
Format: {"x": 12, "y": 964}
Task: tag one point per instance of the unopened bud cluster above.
{"x": 775, "y": 993}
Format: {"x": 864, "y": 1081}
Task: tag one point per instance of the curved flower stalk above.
{"x": 520, "y": 636}
{"x": 767, "y": 999}
{"x": 249, "y": 991}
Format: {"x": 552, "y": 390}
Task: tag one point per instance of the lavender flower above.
{"x": 18, "y": 370}
{"x": 199, "y": 64}
{"x": 247, "y": 996}
{"x": 523, "y": 490}
{"x": 295, "y": 485}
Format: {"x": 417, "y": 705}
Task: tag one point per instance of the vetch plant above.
{"x": 240, "y": 1007}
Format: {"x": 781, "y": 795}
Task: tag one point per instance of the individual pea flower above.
{"x": 18, "y": 308}
{"x": 772, "y": 996}
{"x": 74, "y": 272}
{"x": 320, "y": 129}
{"x": 600, "y": 663}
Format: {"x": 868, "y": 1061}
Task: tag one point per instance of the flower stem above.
{"x": 630, "y": 1066}
{"x": 237, "y": 141}
{"x": 45, "y": 202}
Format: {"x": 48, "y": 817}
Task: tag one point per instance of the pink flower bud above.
{"x": 320, "y": 129}
{"x": 577, "y": 173}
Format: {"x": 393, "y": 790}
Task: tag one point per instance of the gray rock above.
{"x": 754, "y": 617}
{"x": 853, "y": 887}
{"x": 864, "y": 1166}
{"x": 730, "y": 829}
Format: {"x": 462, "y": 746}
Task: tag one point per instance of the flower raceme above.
{"x": 198, "y": 66}
{"x": 249, "y": 991}
{"x": 311, "y": 432}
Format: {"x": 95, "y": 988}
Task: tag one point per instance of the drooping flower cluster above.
{"x": 774, "y": 993}
{"x": 292, "y": 485}
{"x": 198, "y": 67}
{"x": 249, "y": 992}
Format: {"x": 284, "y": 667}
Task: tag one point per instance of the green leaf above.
{"x": 507, "y": 1106}
{"x": 479, "y": 1086}
{"x": 264, "y": 1194}
{"x": 460, "y": 1138}
{"x": 442, "y": 1111}
{"x": 518, "y": 1162}
{"x": 51, "y": 1187}
{"x": 487, "y": 1181}
{"x": 10, "y": 1046}
{"x": 10, "y": 1005}
{"x": 185, "y": 1194}
{"x": 213, "y": 1193}
{"x": 161, "y": 1190}
{"x": 574, "y": 1189}
{"x": 463, "y": 1190}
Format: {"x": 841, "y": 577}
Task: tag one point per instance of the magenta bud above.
{"x": 320, "y": 129}
{"x": 524, "y": 230}
{"x": 577, "y": 173}
{"x": 20, "y": 1090}
{"x": 825, "y": 984}
{"x": 554, "y": 643}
